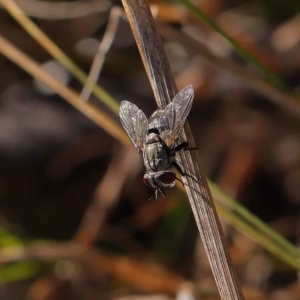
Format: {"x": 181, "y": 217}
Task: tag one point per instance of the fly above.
{"x": 155, "y": 138}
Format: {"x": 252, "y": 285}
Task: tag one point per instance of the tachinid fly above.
{"x": 155, "y": 139}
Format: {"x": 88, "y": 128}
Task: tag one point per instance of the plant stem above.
{"x": 164, "y": 88}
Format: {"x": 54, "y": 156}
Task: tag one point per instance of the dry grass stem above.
{"x": 62, "y": 10}
{"x": 124, "y": 163}
{"x": 33, "y": 68}
{"x": 104, "y": 47}
{"x": 56, "y": 52}
{"x": 164, "y": 88}
{"x": 145, "y": 277}
{"x": 249, "y": 79}
{"x": 150, "y": 48}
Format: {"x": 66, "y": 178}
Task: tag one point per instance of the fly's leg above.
{"x": 158, "y": 189}
{"x": 162, "y": 192}
{"x": 184, "y": 146}
{"x": 182, "y": 173}
{"x": 180, "y": 180}
{"x": 154, "y": 195}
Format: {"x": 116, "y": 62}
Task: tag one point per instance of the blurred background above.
{"x": 75, "y": 220}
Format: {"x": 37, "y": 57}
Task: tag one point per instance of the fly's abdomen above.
{"x": 156, "y": 157}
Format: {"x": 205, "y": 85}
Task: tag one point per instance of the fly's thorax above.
{"x": 162, "y": 179}
{"x": 152, "y": 138}
{"x": 168, "y": 139}
{"x": 154, "y": 117}
{"x": 154, "y": 124}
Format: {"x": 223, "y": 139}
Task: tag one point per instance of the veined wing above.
{"x": 135, "y": 124}
{"x": 175, "y": 114}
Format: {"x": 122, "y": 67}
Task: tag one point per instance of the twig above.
{"x": 56, "y": 52}
{"x": 123, "y": 164}
{"x": 104, "y": 46}
{"x": 164, "y": 88}
{"x": 145, "y": 277}
{"x": 89, "y": 110}
{"x": 63, "y": 10}
{"x": 269, "y": 75}
{"x": 251, "y": 80}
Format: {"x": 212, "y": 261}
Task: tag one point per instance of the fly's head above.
{"x": 162, "y": 179}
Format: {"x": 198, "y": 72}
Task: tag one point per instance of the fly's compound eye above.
{"x": 167, "y": 177}
{"x": 146, "y": 179}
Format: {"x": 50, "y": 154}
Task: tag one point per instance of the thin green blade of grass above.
{"x": 259, "y": 225}
{"x": 16, "y": 271}
{"x": 268, "y": 75}
{"x": 58, "y": 54}
{"x": 259, "y": 237}
{"x": 19, "y": 271}
{"x": 247, "y": 223}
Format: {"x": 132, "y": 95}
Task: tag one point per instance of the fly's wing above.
{"x": 135, "y": 124}
{"x": 175, "y": 114}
